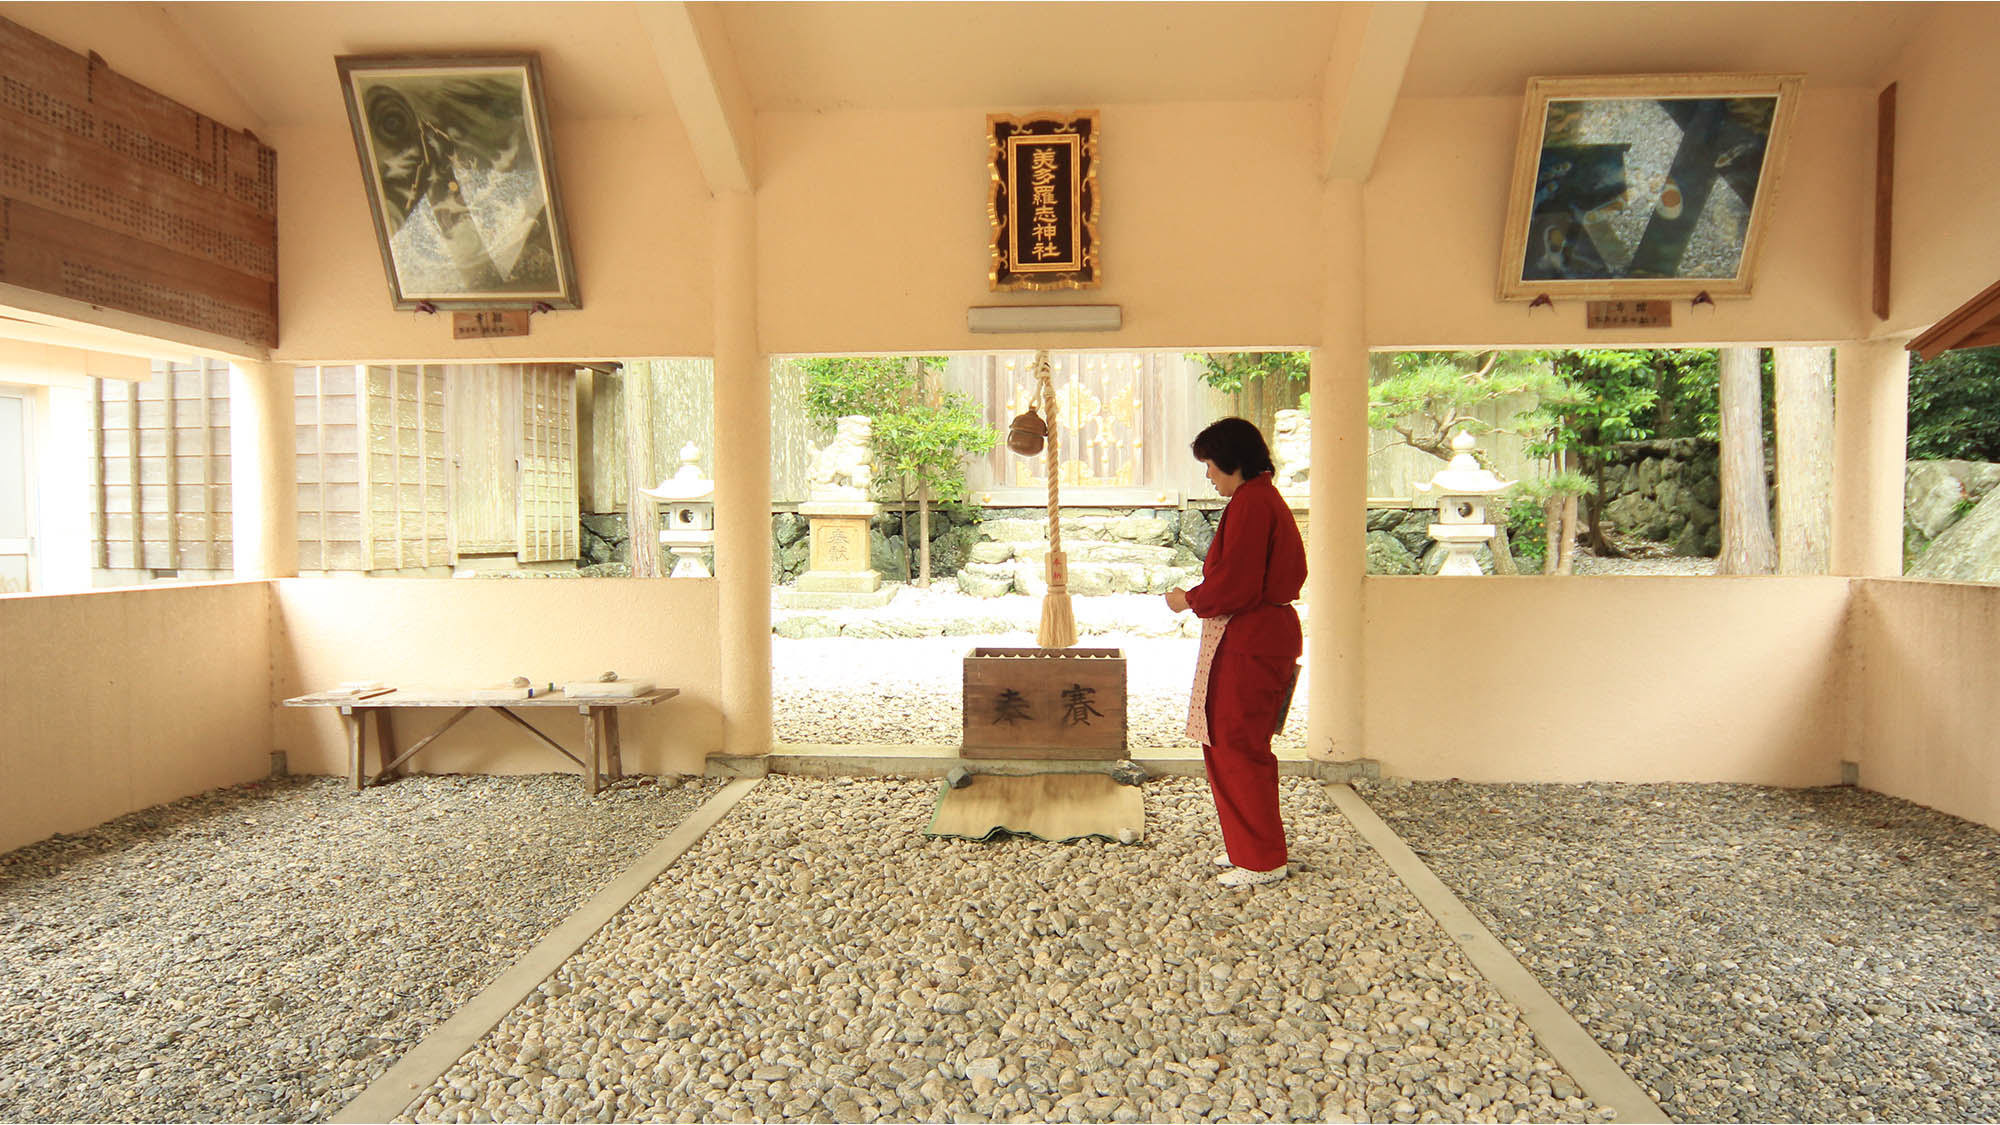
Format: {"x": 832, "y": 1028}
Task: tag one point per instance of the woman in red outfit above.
{"x": 1250, "y": 645}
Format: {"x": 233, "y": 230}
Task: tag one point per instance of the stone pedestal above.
{"x": 837, "y": 571}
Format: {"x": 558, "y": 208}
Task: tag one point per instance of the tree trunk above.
{"x": 1805, "y": 459}
{"x": 1746, "y": 516}
{"x": 1599, "y": 545}
{"x": 924, "y": 534}
{"x": 1503, "y": 553}
{"x": 642, "y": 514}
{"x": 1568, "y": 544}
{"x": 1552, "y": 519}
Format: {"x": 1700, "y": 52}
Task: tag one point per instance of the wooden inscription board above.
{"x": 487, "y": 324}
{"x": 117, "y": 196}
{"x": 1044, "y": 703}
{"x": 1628, "y": 314}
{"x": 1044, "y": 201}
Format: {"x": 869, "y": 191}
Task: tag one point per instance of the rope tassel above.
{"x": 1058, "y": 628}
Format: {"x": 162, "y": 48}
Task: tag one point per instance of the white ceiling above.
{"x": 600, "y": 62}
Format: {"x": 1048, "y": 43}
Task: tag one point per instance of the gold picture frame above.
{"x": 1634, "y": 187}
{"x": 1043, "y": 201}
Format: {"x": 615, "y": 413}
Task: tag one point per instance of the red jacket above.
{"x": 1254, "y": 570}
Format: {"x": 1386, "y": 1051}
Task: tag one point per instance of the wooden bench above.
{"x": 600, "y": 726}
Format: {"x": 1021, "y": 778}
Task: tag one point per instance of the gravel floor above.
{"x": 840, "y": 690}
{"x": 1749, "y": 954}
{"x": 816, "y": 957}
{"x": 261, "y": 953}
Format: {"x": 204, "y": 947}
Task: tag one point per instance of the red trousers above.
{"x": 1246, "y": 685}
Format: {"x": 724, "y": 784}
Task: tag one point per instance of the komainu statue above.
{"x": 843, "y": 470}
{"x": 1292, "y": 449}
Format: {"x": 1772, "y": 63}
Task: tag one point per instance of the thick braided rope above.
{"x": 1044, "y": 373}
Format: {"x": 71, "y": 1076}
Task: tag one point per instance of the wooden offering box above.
{"x": 1045, "y": 703}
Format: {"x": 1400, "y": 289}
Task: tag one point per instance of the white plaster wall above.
{"x": 639, "y": 221}
{"x": 1947, "y": 194}
{"x": 873, "y": 230}
{"x": 1437, "y": 205}
{"x": 116, "y": 700}
{"x": 1927, "y": 656}
{"x": 472, "y": 633}
{"x": 1606, "y": 678}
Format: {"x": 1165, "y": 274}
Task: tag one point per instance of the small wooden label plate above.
{"x": 1628, "y": 314}
{"x": 486, "y": 324}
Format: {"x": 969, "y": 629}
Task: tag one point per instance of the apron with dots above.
{"x": 1211, "y": 639}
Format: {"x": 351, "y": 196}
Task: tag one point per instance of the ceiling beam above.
{"x": 707, "y": 86}
{"x": 1364, "y": 74}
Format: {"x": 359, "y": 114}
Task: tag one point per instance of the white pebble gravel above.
{"x": 262, "y": 953}
{"x": 816, "y": 957}
{"x": 1748, "y": 954}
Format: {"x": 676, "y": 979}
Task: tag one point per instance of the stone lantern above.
{"x": 1462, "y": 489}
{"x": 687, "y": 515}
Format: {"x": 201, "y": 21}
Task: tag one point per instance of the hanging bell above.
{"x": 1027, "y": 434}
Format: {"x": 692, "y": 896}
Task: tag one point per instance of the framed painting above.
{"x": 460, "y": 177}
{"x": 1652, "y": 186}
{"x": 1043, "y": 204}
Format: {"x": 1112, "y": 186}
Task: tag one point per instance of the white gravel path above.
{"x": 262, "y": 953}
{"x": 816, "y": 957}
{"x": 1748, "y": 954}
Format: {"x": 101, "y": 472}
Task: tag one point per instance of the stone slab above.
{"x": 844, "y": 582}
{"x": 804, "y": 598}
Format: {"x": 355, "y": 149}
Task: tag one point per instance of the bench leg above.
{"x": 385, "y": 746}
{"x": 590, "y": 778}
{"x": 355, "y": 740}
{"x": 613, "y": 747}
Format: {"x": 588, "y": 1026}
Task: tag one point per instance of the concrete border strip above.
{"x": 1599, "y": 1076}
{"x": 391, "y": 1094}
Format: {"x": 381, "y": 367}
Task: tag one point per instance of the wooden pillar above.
{"x": 1339, "y": 490}
{"x": 263, "y": 487}
{"x": 742, "y": 482}
{"x": 1871, "y": 422}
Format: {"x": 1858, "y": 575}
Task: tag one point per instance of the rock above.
{"x": 1385, "y": 555}
{"x": 790, "y": 562}
{"x": 1637, "y": 514}
{"x": 1144, "y": 529}
{"x": 889, "y": 557}
{"x": 986, "y": 582}
{"x": 788, "y": 528}
{"x": 959, "y": 777}
{"x": 1014, "y": 530}
{"x": 1932, "y": 495}
{"x": 797, "y": 628}
{"x": 1089, "y": 580}
{"x": 1196, "y": 532}
{"x": 1384, "y": 519}
{"x": 989, "y": 551}
{"x": 952, "y": 550}
{"x": 1967, "y": 551}
{"x": 1129, "y": 773}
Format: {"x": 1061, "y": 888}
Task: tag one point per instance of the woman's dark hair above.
{"x": 1233, "y": 445}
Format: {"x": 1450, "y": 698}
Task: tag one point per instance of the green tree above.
{"x": 1426, "y": 397}
{"x": 1616, "y": 392}
{"x": 1955, "y": 406}
{"x": 922, "y": 432}
{"x": 1263, "y": 383}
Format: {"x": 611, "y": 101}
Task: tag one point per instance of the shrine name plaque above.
{"x": 1045, "y": 703}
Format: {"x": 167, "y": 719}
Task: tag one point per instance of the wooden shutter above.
{"x": 548, "y": 498}
{"x": 162, "y": 498}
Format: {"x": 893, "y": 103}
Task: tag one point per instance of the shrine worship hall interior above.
{"x": 749, "y": 181}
